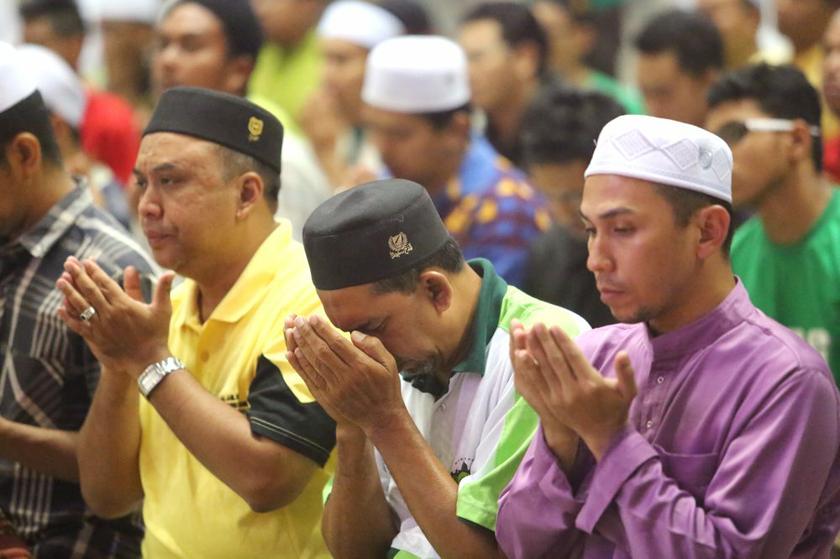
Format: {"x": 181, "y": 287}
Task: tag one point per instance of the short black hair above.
{"x": 235, "y": 163}
{"x": 519, "y": 27}
{"x": 685, "y": 203}
{"x": 448, "y": 258}
{"x": 30, "y": 115}
{"x": 413, "y": 15}
{"x": 691, "y": 35}
{"x": 562, "y": 123}
{"x": 63, "y": 15}
{"x": 781, "y": 92}
{"x": 441, "y": 119}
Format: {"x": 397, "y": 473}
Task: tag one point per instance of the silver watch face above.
{"x": 150, "y": 380}
{"x": 154, "y": 373}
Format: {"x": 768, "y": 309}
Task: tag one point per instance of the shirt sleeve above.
{"x": 282, "y": 410}
{"x": 537, "y": 510}
{"x": 756, "y": 499}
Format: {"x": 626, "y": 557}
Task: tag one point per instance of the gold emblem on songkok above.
{"x": 399, "y": 245}
{"x": 255, "y": 129}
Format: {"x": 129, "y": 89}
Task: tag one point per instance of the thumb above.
{"x": 626, "y": 376}
{"x": 160, "y": 299}
{"x": 373, "y": 348}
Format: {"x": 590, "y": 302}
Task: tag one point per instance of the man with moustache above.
{"x": 697, "y": 428}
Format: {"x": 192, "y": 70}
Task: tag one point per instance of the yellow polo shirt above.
{"x": 238, "y": 354}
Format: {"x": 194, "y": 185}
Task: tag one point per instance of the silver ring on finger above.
{"x": 87, "y": 314}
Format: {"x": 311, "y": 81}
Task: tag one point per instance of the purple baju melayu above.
{"x": 731, "y": 451}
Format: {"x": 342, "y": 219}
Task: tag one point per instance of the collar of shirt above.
{"x": 481, "y": 330}
{"x": 249, "y": 287}
{"x": 701, "y": 333}
{"x": 486, "y": 319}
{"x": 40, "y": 238}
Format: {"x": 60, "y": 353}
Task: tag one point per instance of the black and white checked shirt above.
{"x": 48, "y": 374}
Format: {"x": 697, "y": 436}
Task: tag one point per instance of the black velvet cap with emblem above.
{"x": 374, "y": 231}
{"x": 224, "y": 119}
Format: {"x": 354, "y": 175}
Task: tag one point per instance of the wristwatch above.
{"x": 156, "y": 372}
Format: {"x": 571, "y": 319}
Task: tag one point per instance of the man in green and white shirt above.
{"x": 423, "y": 455}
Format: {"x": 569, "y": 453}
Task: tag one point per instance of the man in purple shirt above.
{"x": 699, "y": 427}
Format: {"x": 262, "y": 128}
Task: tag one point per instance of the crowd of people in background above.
{"x": 527, "y": 282}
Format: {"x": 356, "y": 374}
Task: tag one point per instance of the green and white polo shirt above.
{"x": 479, "y": 427}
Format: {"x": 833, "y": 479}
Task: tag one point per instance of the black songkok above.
{"x": 241, "y": 26}
{"x": 223, "y": 119}
{"x": 374, "y": 231}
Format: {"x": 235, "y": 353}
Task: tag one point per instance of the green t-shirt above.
{"x": 287, "y": 76}
{"x": 798, "y": 285}
{"x": 628, "y": 97}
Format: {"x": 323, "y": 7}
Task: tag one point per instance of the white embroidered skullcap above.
{"x": 416, "y": 74}
{"x": 62, "y": 90}
{"x": 361, "y": 23}
{"x": 666, "y": 152}
{"x": 16, "y": 83}
{"x": 141, "y": 11}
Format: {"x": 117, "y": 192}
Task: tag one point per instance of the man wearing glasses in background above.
{"x": 788, "y": 253}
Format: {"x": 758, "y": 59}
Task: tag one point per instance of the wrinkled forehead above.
{"x": 177, "y": 148}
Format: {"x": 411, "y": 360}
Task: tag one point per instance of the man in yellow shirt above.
{"x": 226, "y": 429}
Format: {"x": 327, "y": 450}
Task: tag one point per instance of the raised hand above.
{"x": 355, "y": 380}
{"x": 122, "y": 331}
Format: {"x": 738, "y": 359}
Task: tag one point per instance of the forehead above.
{"x": 191, "y": 19}
{"x": 342, "y": 48}
{"x": 606, "y": 195}
{"x": 392, "y": 119}
{"x": 351, "y": 307}
{"x": 661, "y": 66}
{"x": 551, "y": 11}
{"x": 729, "y": 111}
{"x": 479, "y": 32}
{"x": 167, "y": 146}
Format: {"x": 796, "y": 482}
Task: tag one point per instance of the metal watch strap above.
{"x": 156, "y": 372}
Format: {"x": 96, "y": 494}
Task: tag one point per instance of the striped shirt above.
{"x": 48, "y": 374}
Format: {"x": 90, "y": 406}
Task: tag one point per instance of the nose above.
{"x": 599, "y": 259}
{"x": 149, "y": 204}
{"x": 166, "y": 57}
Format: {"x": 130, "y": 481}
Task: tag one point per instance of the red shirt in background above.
{"x": 109, "y": 133}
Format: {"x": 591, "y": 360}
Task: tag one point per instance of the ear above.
{"x": 251, "y": 188}
{"x": 238, "y": 71}
{"x": 435, "y": 285}
{"x": 801, "y": 141}
{"x": 713, "y": 222}
{"x": 24, "y": 155}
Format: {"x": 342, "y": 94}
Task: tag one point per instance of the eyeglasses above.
{"x": 734, "y": 131}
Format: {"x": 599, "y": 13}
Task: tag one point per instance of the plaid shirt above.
{"x": 492, "y": 211}
{"x": 48, "y": 374}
